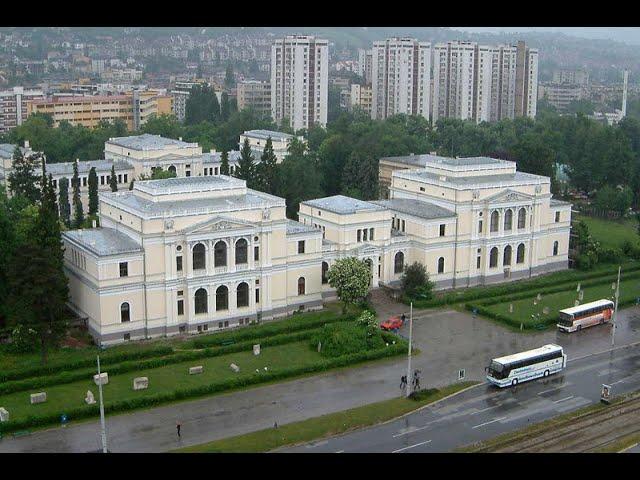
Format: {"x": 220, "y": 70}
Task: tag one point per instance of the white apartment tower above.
{"x": 364, "y": 64}
{"x": 400, "y": 70}
{"x": 453, "y": 80}
{"x": 300, "y": 81}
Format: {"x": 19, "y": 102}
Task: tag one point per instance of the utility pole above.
{"x": 103, "y": 431}
{"x": 615, "y": 311}
{"x": 409, "y": 352}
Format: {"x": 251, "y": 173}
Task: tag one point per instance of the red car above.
{"x": 392, "y": 323}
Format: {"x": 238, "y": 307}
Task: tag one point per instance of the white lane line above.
{"x": 485, "y": 409}
{"x": 487, "y": 423}
{"x": 319, "y": 444}
{"x": 411, "y": 430}
{"x": 552, "y": 390}
{"x": 340, "y": 451}
{"x": 411, "y": 446}
{"x": 563, "y": 399}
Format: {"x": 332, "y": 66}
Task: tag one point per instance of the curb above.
{"x": 629, "y": 447}
{"x": 604, "y": 351}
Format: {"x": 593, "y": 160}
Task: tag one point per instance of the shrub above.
{"x": 23, "y": 340}
{"x": 346, "y": 338}
{"x": 415, "y": 282}
{"x": 423, "y": 394}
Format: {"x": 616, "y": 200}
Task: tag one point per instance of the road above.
{"x": 485, "y": 411}
{"x": 448, "y": 340}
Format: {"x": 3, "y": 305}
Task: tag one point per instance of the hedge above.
{"x": 182, "y": 394}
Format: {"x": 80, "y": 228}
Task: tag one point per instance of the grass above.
{"x": 612, "y": 233}
{"x": 167, "y": 378}
{"x": 621, "y": 444}
{"x": 323, "y": 426}
{"x": 523, "y": 309}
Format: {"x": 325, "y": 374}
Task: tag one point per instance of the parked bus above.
{"x": 514, "y": 369}
{"x": 587, "y": 315}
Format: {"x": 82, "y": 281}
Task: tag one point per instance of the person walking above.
{"x": 178, "y": 425}
{"x": 403, "y": 383}
{"x": 403, "y": 317}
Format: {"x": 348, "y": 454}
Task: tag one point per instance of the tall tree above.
{"x": 224, "y": 163}
{"x": 245, "y": 169}
{"x": 229, "y": 78}
{"x": 350, "y": 277}
{"x": 225, "y": 107}
{"x": 93, "y": 192}
{"x": 63, "y": 201}
{"x": 23, "y": 179}
{"x": 78, "y": 214}
{"x": 266, "y": 170}
{"x": 113, "y": 180}
{"x": 202, "y": 105}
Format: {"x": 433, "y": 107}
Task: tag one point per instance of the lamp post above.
{"x": 615, "y": 310}
{"x": 409, "y": 351}
{"x": 103, "y": 431}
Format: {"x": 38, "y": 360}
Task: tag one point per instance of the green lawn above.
{"x": 523, "y": 309}
{"x": 612, "y": 233}
{"x": 162, "y": 379}
{"x": 326, "y": 425}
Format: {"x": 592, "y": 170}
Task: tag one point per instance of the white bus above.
{"x": 587, "y": 315}
{"x": 514, "y": 369}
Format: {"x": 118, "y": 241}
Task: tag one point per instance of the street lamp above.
{"x": 103, "y": 431}
{"x": 615, "y": 310}
{"x": 409, "y": 351}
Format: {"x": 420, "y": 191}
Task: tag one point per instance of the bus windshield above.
{"x": 497, "y": 370}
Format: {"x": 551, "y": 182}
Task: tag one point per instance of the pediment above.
{"x": 217, "y": 224}
{"x": 509, "y": 196}
{"x": 365, "y": 250}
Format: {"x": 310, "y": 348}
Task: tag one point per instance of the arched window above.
{"x": 125, "y": 312}
{"x": 495, "y": 221}
{"x": 242, "y": 295}
{"x": 506, "y": 257}
{"x": 222, "y": 298}
{"x": 522, "y": 218}
{"x": 520, "y": 254}
{"x": 555, "y": 248}
{"x": 493, "y": 257}
{"x": 241, "y": 251}
{"x": 199, "y": 257}
{"x": 220, "y": 254}
{"x": 172, "y": 168}
{"x": 398, "y": 264}
{"x": 200, "y": 301}
{"x": 441, "y": 265}
{"x": 325, "y": 269}
{"x": 301, "y": 287}
{"x": 508, "y": 219}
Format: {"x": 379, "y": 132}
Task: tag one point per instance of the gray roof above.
{"x": 265, "y": 134}
{"x": 103, "y": 241}
{"x": 6, "y": 150}
{"x": 424, "y": 159}
{"x": 506, "y": 179}
{"x": 148, "y": 142}
{"x": 558, "y": 203}
{"x": 294, "y": 228}
{"x": 66, "y": 168}
{"x": 416, "y": 208}
{"x": 215, "y": 157}
{"x": 188, "y": 184}
{"x": 342, "y": 205}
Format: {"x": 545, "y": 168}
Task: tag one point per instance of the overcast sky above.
{"x": 630, "y": 35}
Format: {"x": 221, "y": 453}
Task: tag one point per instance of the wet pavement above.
{"x": 448, "y": 341}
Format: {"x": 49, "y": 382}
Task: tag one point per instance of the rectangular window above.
{"x": 84, "y": 181}
{"x": 442, "y": 230}
{"x": 364, "y": 235}
{"x": 557, "y": 217}
{"x": 256, "y": 254}
{"x": 119, "y": 178}
{"x": 403, "y": 225}
{"x": 126, "y": 176}
{"x": 478, "y": 262}
{"x": 179, "y": 264}
{"x": 257, "y": 295}
{"x": 301, "y": 246}
{"x": 188, "y": 173}
{"x": 480, "y": 226}
{"x": 359, "y": 235}
{"x": 101, "y": 179}
{"x": 371, "y": 234}
{"x": 124, "y": 269}
{"x": 180, "y": 307}
{"x": 226, "y": 323}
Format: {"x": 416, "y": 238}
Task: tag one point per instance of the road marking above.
{"x": 340, "y": 451}
{"x": 485, "y": 409}
{"x": 487, "y": 423}
{"x": 410, "y": 430}
{"x": 563, "y": 399}
{"x": 411, "y": 446}
{"x": 313, "y": 445}
{"x": 552, "y": 389}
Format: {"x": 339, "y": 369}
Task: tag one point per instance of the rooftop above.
{"x": 294, "y": 228}
{"x": 215, "y": 157}
{"x": 265, "y": 134}
{"x": 103, "y": 241}
{"x": 480, "y": 181}
{"x": 66, "y": 168}
{"x": 416, "y": 208}
{"x": 6, "y": 150}
{"x": 343, "y": 205}
{"x": 188, "y": 184}
{"x": 558, "y": 203}
{"x": 149, "y": 142}
{"x": 450, "y": 163}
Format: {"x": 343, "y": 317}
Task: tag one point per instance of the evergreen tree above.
{"x": 78, "y": 214}
{"x": 23, "y": 180}
{"x": 63, "y": 201}
{"x": 224, "y": 163}
{"x": 113, "y": 180}
{"x": 246, "y": 167}
{"x": 93, "y": 192}
{"x": 225, "y": 107}
{"x": 229, "y": 79}
{"x": 267, "y": 169}
{"x": 202, "y": 105}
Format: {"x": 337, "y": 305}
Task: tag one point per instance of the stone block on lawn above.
{"x": 89, "y": 399}
{"x": 38, "y": 397}
{"x": 234, "y": 367}
{"x": 103, "y": 378}
{"x": 196, "y": 370}
{"x": 140, "y": 383}
{"x": 4, "y": 415}
{"x": 256, "y": 349}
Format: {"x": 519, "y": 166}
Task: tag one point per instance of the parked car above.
{"x": 392, "y": 323}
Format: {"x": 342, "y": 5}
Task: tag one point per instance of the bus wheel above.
{"x": 546, "y": 373}
{"x": 514, "y": 382}
{"x": 579, "y": 327}
{"x": 601, "y": 321}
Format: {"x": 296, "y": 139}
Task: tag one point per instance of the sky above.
{"x": 629, "y": 35}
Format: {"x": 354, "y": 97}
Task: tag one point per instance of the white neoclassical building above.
{"x": 202, "y": 253}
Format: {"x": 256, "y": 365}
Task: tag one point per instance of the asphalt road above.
{"x": 485, "y": 411}
{"x": 448, "y": 341}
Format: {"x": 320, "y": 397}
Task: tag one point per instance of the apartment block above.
{"x": 256, "y": 95}
{"x": 400, "y": 78}
{"x": 365, "y": 58}
{"x": 361, "y": 98}
{"x": 13, "y": 106}
{"x": 300, "y": 81}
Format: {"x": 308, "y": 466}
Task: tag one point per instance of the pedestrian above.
{"x": 403, "y": 383}
{"x": 403, "y": 317}
{"x": 178, "y": 428}
{"x": 275, "y": 424}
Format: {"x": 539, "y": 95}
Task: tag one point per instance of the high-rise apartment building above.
{"x": 256, "y": 95}
{"x": 526, "y": 89}
{"x": 454, "y": 80}
{"x": 300, "y": 81}
{"x": 400, "y": 78}
{"x": 364, "y": 64}
{"x": 360, "y": 97}
{"x": 13, "y": 106}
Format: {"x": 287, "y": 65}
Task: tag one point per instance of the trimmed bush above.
{"x": 344, "y": 338}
